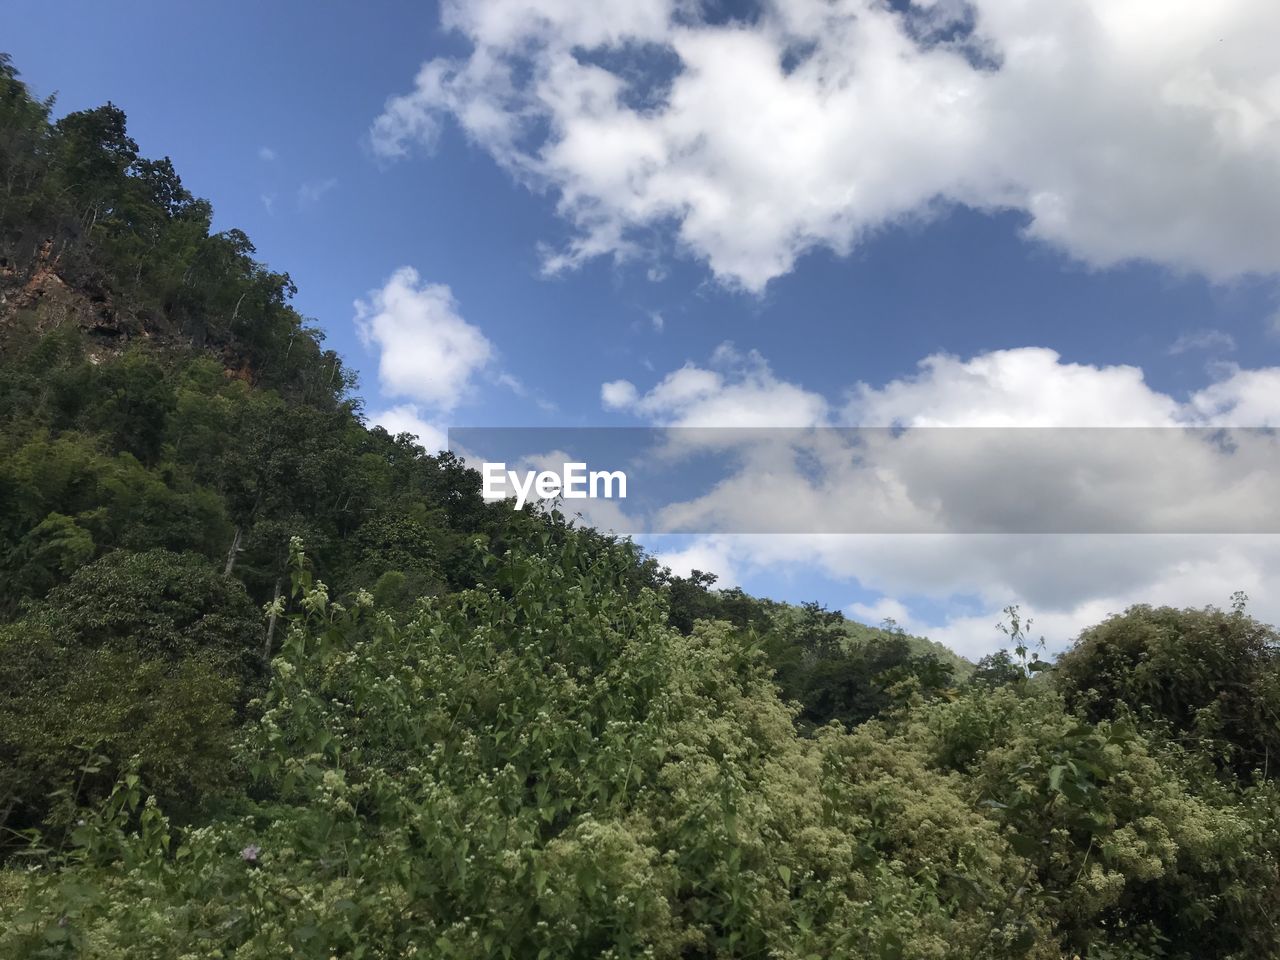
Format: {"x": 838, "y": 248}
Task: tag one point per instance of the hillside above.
{"x": 919, "y": 646}
{"x": 274, "y": 682}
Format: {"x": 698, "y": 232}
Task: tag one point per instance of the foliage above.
{"x": 461, "y": 730}
{"x": 143, "y": 658}
{"x": 1212, "y": 677}
{"x": 541, "y": 768}
{"x": 834, "y": 668}
{"x": 1135, "y": 851}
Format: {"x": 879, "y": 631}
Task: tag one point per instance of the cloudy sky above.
{"x": 789, "y": 213}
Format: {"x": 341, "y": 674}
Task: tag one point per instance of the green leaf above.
{"x": 1055, "y": 777}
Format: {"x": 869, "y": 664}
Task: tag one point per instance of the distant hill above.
{"x": 861, "y": 633}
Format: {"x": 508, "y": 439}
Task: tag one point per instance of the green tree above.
{"x": 1212, "y": 676}
{"x": 140, "y": 657}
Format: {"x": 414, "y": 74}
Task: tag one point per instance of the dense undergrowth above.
{"x": 544, "y": 767}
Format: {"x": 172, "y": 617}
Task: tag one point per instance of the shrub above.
{"x": 149, "y": 657}
{"x": 1212, "y": 676}
{"x": 542, "y": 768}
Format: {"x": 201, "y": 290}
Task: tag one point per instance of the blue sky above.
{"x": 945, "y": 215}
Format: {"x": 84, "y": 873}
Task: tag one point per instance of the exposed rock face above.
{"x": 36, "y": 298}
{"x": 39, "y": 300}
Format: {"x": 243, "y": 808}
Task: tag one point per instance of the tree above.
{"x": 1212, "y": 676}
{"x": 147, "y": 655}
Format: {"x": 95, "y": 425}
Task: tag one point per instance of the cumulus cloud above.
{"x": 988, "y": 477}
{"x": 1122, "y": 129}
{"x": 618, "y": 395}
{"x": 427, "y": 352}
{"x": 1241, "y": 398}
{"x": 1066, "y": 580}
{"x": 705, "y": 554}
{"x": 408, "y": 418}
{"x": 1024, "y": 387}
{"x": 1033, "y": 387}
{"x": 734, "y": 390}
{"x": 1018, "y": 387}
{"x": 882, "y": 610}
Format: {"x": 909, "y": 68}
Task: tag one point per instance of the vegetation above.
{"x": 275, "y": 683}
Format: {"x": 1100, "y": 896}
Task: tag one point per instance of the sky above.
{"x": 793, "y": 213}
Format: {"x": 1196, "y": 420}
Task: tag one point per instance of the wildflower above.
{"x": 250, "y": 853}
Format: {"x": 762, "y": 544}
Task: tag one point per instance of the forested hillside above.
{"x": 274, "y": 682}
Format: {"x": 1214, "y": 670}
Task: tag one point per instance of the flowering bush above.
{"x": 545, "y": 769}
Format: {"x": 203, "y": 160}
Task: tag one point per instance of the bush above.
{"x": 543, "y": 769}
{"x": 142, "y": 658}
{"x": 1135, "y": 854}
{"x": 1212, "y": 677}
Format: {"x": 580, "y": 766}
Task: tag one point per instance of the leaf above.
{"x": 1055, "y": 777}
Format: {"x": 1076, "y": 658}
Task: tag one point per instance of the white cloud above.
{"x": 1242, "y": 398}
{"x": 1123, "y": 129}
{"x": 427, "y": 352}
{"x": 1215, "y": 341}
{"x": 407, "y": 418}
{"x": 408, "y": 118}
{"x": 1025, "y": 387}
{"x": 618, "y": 394}
{"x": 517, "y": 386}
{"x": 1066, "y": 581}
{"x": 706, "y": 554}
{"x": 1056, "y": 478}
{"x": 736, "y": 390}
{"x": 1034, "y": 387}
{"x": 266, "y": 153}
{"x": 1020, "y": 387}
{"x": 877, "y": 612}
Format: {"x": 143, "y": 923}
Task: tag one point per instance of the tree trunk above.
{"x": 231, "y": 557}
{"x": 271, "y": 625}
